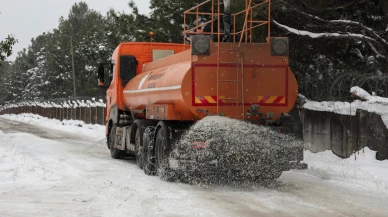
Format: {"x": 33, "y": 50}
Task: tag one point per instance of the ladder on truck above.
{"x": 229, "y": 100}
{"x": 245, "y": 33}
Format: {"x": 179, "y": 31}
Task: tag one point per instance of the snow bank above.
{"x": 375, "y": 104}
{"x": 59, "y": 104}
{"x": 346, "y": 108}
{"x": 93, "y": 130}
{"x": 361, "y": 168}
{"x": 361, "y": 93}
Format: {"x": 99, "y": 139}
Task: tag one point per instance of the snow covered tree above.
{"x": 335, "y": 45}
{"x": 4, "y": 75}
{"x": 123, "y": 27}
{"x": 167, "y": 17}
{"x": 85, "y": 28}
{"x": 44, "y": 70}
{"x": 24, "y": 61}
{"x": 6, "y": 47}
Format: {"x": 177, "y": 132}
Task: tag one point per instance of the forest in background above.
{"x": 334, "y": 45}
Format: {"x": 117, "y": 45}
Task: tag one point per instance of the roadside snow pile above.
{"x": 76, "y": 103}
{"x": 232, "y": 149}
{"x": 375, "y": 104}
{"x": 93, "y": 130}
{"x": 361, "y": 168}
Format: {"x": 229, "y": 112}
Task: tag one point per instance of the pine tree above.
{"x": 85, "y": 28}
{"x": 327, "y": 65}
{"x": 6, "y": 47}
{"x": 4, "y": 74}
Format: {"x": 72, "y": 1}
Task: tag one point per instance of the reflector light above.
{"x": 200, "y": 45}
{"x": 199, "y": 145}
{"x": 279, "y": 47}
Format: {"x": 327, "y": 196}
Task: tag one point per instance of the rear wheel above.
{"x": 148, "y": 151}
{"x": 137, "y": 136}
{"x": 114, "y": 152}
{"x": 162, "y": 148}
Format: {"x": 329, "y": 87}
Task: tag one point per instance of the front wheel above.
{"x": 114, "y": 152}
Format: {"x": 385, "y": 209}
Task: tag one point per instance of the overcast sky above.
{"x": 26, "y": 19}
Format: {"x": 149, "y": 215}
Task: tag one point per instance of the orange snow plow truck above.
{"x": 158, "y": 91}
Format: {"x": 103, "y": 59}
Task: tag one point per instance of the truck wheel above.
{"x": 148, "y": 151}
{"x": 137, "y": 135}
{"x": 162, "y": 148}
{"x": 114, "y": 152}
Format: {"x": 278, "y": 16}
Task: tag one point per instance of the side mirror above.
{"x": 101, "y": 75}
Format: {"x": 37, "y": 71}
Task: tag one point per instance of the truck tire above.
{"x": 114, "y": 152}
{"x": 137, "y": 135}
{"x": 148, "y": 151}
{"x": 162, "y": 148}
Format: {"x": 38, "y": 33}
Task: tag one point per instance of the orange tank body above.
{"x": 184, "y": 87}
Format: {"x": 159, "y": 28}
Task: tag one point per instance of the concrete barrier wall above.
{"x": 345, "y": 134}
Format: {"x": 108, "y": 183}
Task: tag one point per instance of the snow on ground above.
{"x": 65, "y": 125}
{"x": 19, "y": 166}
{"x": 361, "y": 169}
{"x": 364, "y": 160}
{"x": 57, "y": 173}
{"x": 51, "y": 169}
{"x": 376, "y": 104}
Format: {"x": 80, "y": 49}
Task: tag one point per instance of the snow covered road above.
{"x": 51, "y": 169}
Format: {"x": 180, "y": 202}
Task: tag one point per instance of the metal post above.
{"x": 72, "y": 64}
{"x": 242, "y": 87}
{"x": 218, "y": 55}
{"x": 269, "y": 21}
{"x": 212, "y": 30}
